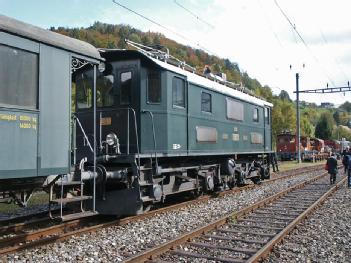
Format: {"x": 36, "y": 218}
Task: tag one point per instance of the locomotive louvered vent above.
{"x": 256, "y": 138}
{"x": 206, "y": 134}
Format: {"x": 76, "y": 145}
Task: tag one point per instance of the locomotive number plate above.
{"x": 105, "y": 121}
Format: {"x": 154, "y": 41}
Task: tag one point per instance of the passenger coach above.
{"x": 35, "y": 113}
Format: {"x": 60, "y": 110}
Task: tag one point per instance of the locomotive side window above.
{"x": 235, "y": 110}
{"x": 266, "y": 115}
{"x": 206, "y": 102}
{"x": 84, "y": 90}
{"x": 18, "y": 78}
{"x": 126, "y": 87}
{"x": 104, "y": 93}
{"x": 255, "y": 116}
{"x": 154, "y": 87}
{"x": 178, "y": 92}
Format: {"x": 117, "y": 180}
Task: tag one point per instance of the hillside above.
{"x": 284, "y": 114}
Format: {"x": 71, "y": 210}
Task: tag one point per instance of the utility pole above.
{"x": 298, "y": 120}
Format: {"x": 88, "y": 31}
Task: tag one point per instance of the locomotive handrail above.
{"x": 83, "y": 131}
{"x": 136, "y": 134}
{"x": 153, "y": 134}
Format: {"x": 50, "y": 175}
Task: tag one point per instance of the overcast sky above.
{"x": 253, "y": 33}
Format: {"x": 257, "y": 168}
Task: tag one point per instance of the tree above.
{"x": 346, "y": 106}
{"x": 336, "y": 117}
{"x": 284, "y": 95}
{"x": 324, "y": 127}
{"x": 284, "y": 116}
{"x": 306, "y": 127}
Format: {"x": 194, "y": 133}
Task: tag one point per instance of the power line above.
{"x": 194, "y": 15}
{"x": 303, "y": 41}
{"x": 162, "y": 26}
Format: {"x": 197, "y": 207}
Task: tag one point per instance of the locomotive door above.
{"x": 267, "y": 130}
{"x": 127, "y": 96}
{"x": 178, "y": 116}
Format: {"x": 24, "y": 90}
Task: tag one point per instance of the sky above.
{"x": 253, "y": 33}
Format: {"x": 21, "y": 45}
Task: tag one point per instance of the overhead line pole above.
{"x": 298, "y": 119}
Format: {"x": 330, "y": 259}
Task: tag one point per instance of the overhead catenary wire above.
{"x": 194, "y": 15}
{"x": 164, "y": 27}
{"x": 304, "y": 42}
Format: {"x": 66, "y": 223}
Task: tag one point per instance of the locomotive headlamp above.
{"x": 102, "y": 67}
{"x": 111, "y": 139}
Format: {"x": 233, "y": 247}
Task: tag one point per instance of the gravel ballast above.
{"x": 323, "y": 237}
{"x": 114, "y": 244}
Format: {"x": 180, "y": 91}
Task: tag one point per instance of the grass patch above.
{"x": 37, "y": 199}
{"x": 288, "y": 165}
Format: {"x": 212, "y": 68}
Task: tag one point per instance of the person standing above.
{"x": 332, "y": 164}
{"x": 349, "y": 172}
{"x": 345, "y": 158}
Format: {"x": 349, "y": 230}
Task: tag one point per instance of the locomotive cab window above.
{"x": 178, "y": 92}
{"x": 18, "y": 78}
{"x": 206, "y": 102}
{"x": 255, "y": 116}
{"x": 153, "y": 87}
{"x": 84, "y": 90}
{"x": 104, "y": 91}
{"x": 126, "y": 87}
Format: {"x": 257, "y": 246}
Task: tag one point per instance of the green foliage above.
{"x": 324, "y": 127}
{"x": 284, "y": 95}
{"x": 346, "y": 106}
{"x": 306, "y": 127}
{"x": 284, "y": 116}
{"x": 336, "y": 117}
{"x": 342, "y": 132}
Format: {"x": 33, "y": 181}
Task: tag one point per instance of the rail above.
{"x": 238, "y": 225}
{"x": 21, "y": 239}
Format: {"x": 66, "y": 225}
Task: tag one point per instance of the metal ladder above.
{"x": 63, "y": 200}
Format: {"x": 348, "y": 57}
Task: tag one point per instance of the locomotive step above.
{"x": 77, "y": 215}
{"x": 71, "y": 199}
{"x": 69, "y": 183}
{"x": 147, "y": 199}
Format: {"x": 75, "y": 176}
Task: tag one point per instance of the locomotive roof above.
{"x": 35, "y": 33}
{"x": 192, "y": 77}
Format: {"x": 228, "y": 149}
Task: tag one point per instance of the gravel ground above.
{"x": 114, "y": 244}
{"x": 324, "y": 237}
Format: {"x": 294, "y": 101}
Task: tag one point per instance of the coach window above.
{"x": 154, "y": 87}
{"x": 126, "y": 87}
{"x": 84, "y": 90}
{"x": 18, "y": 78}
{"x": 178, "y": 92}
{"x": 255, "y": 115}
{"x": 206, "y": 102}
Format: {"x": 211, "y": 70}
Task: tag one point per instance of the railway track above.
{"x": 250, "y": 234}
{"x": 34, "y": 233}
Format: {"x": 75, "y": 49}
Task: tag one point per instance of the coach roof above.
{"x": 35, "y": 33}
